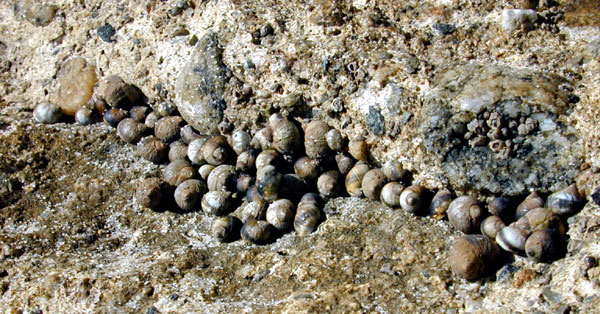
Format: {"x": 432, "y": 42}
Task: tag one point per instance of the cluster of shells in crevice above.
{"x": 263, "y": 184}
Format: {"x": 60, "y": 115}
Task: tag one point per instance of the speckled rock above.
{"x": 201, "y": 84}
{"x": 76, "y": 81}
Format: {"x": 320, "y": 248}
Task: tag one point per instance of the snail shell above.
{"x": 393, "y": 170}
{"x": 262, "y": 139}
{"x": 216, "y": 150}
{"x": 292, "y": 187}
{"x": 119, "y": 94}
{"x": 545, "y": 246}
{"x": 149, "y": 193}
{"x": 151, "y": 119}
{"x": 151, "y": 149}
{"x": 335, "y": 140}
{"x": 227, "y": 229}
{"x": 440, "y": 203}
{"x": 267, "y": 157}
{"x": 177, "y": 150}
{"x": 565, "y": 201}
{"x": 465, "y": 214}
{"x": 131, "y": 131}
{"x": 205, "y": 171}
{"x": 354, "y": 179}
{"x": 491, "y": 226}
{"x": 195, "y": 151}
{"x": 167, "y": 129}
{"x": 359, "y": 150}
{"x": 252, "y": 195}
{"x": 542, "y": 219}
{"x": 188, "y": 193}
{"x": 216, "y": 203}
{"x": 244, "y": 182}
{"x": 222, "y": 178}
{"x": 257, "y": 231}
{"x": 315, "y": 141}
{"x": 311, "y": 198}
{"x": 240, "y": 141}
{"x": 246, "y": 160}
{"x": 500, "y": 206}
{"x": 84, "y": 116}
{"x": 344, "y": 162}
{"x": 280, "y": 214}
{"x": 113, "y": 116}
{"x": 307, "y": 218}
{"x": 139, "y": 113}
{"x": 178, "y": 171}
{"x": 286, "y": 136}
{"x": 372, "y": 183}
{"x": 307, "y": 168}
{"x": 256, "y": 210}
{"x": 188, "y": 134}
{"x": 471, "y": 256}
{"x": 532, "y": 201}
{"x": 512, "y": 239}
{"x": 390, "y": 193}
{"x": 267, "y": 182}
{"x": 328, "y": 183}
{"x": 47, "y": 113}
{"x": 411, "y": 199}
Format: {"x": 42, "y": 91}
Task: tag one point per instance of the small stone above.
{"x": 47, "y": 113}
{"x": 178, "y": 8}
{"x": 596, "y": 196}
{"x": 76, "y": 81}
{"x": 444, "y": 29}
{"x": 375, "y": 121}
{"x": 589, "y": 262}
{"x": 106, "y": 33}
{"x": 513, "y": 19}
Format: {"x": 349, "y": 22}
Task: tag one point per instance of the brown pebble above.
{"x": 471, "y": 256}
{"x": 149, "y": 193}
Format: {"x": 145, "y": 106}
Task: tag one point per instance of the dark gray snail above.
{"x": 335, "y": 140}
{"x": 139, "y": 113}
{"x": 149, "y": 193}
{"x": 257, "y": 231}
{"x": 216, "y": 203}
{"x": 167, "y": 129}
{"x": 292, "y": 187}
{"x": 500, "y": 206}
{"x": 315, "y": 141}
{"x": 113, "y": 116}
{"x": 226, "y": 229}
{"x": 131, "y": 131}
{"x": 328, "y": 183}
{"x": 286, "y": 136}
{"x": 240, "y": 141}
{"x": 465, "y": 214}
{"x": 308, "y": 216}
{"x": 344, "y": 162}
{"x": 216, "y": 150}
{"x": 189, "y": 193}
{"x": 280, "y": 214}
{"x": 255, "y": 210}
{"x": 47, "y": 113}
{"x": 84, "y": 116}
{"x": 545, "y": 246}
{"x": 565, "y": 202}
{"x": 390, "y": 194}
{"x": 471, "y": 256}
{"x": 222, "y": 178}
{"x": 307, "y": 168}
{"x": 412, "y": 198}
{"x": 355, "y": 177}
{"x": 151, "y": 119}
{"x": 393, "y": 170}
{"x": 152, "y": 149}
{"x": 267, "y": 182}
{"x": 533, "y": 200}
{"x": 372, "y": 183}
{"x": 267, "y": 157}
{"x": 440, "y": 203}
{"x": 178, "y": 171}
{"x": 119, "y": 94}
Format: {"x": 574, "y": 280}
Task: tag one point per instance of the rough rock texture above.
{"x": 73, "y": 239}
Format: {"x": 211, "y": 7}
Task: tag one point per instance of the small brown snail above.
{"x": 307, "y": 168}
{"x": 139, "y": 113}
{"x": 246, "y": 160}
{"x": 178, "y": 171}
{"x": 500, "y": 206}
{"x": 471, "y": 256}
{"x": 393, "y": 170}
{"x": 545, "y": 246}
{"x": 307, "y": 218}
{"x": 315, "y": 141}
{"x": 119, "y": 94}
{"x": 354, "y": 179}
{"x": 131, "y": 131}
{"x": 344, "y": 162}
{"x": 329, "y": 184}
{"x": 257, "y": 231}
{"x": 412, "y": 198}
{"x": 440, "y": 203}
{"x": 280, "y": 214}
{"x": 151, "y": 119}
{"x": 149, "y": 193}
{"x": 491, "y": 225}
{"x": 240, "y": 141}
{"x": 267, "y": 157}
{"x": 255, "y": 210}
{"x": 532, "y": 201}
{"x": 359, "y": 150}
{"x": 335, "y": 140}
{"x": 167, "y": 129}
{"x": 262, "y": 139}
{"x": 205, "y": 170}
{"x": 188, "y": 194}
{"x": 372, "y": 183}
{"x": 286, "y": 136}
{"x": 465, "y": 214}
{"x": 216, "y": 150}
{"x": 227, "y": 229}
{"x": 222, "y": 178}
{"x": 178, "y": 150}
{"x": 188, "y": 134}
{"x": 152, "y": 149}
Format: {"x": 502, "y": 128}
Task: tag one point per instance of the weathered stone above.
{"x": 76, "y": 82}
{"x": 201, "y": 85}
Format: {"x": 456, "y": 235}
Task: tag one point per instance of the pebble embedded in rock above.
{"x": 76, "y": 81}
{"x": 106, "y": 33}
{"x": 375, "y": 121}
{"x": 444, "y": 29}
{"x": 513, "y": 19}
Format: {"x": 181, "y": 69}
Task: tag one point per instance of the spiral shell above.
{"x": 359, "y": 149}
{"x": 532, "y": 201}
{"x": 246, "y": 160}
{"x": 286, "y": 136}
{"x": 205, "y": 170}
{"x": 292, "y": 187}
{"x": 226, "y": 229}
{"x": 393, "y": 170}
{"x": 216, "y": 203}
{"x": 119, "y": 94}
{"x": 307, "y": 218}
{"x": 512, "y": 239}
{"x": 216, "y": 150}
{"x": 500, "y": 206}
{"x": 177, "y": 150}
{"x": 252, "y": 194}
{"x": 565, "y": 201}
{"x": 471, "y": 256}
{"x": 465, "y": 214}
{"x": 262, "y": 139}
{"x": 151, "y": 119}
{"x": 328, "y": 183}
{"x": 149, "y": 193}
{"x": 240, "y": 141}
{"x": 412, "y": 198}
{"x": 390, "y": 193}
{"x": 440, "y": 203}
{"x": 195, "y": 151}
{"x": 335, "y": 140}
{"x": 222, "y": 178}
{"x": 541, "y": 219}
{"x": 84, "y": 116}
{"x": 178, "y": 171}
{"x": 344, "y": 162}
{"x": 131, "y": 131}
{"x": 257, "y": 231}
{"x": 354, "y": 179}
{"x": 372, "y": 183}
{"x": 315, "y": 141}
{"x": 189, "y": 193}
{"x": 113, "y": 116}
{"x": 267, "y": 157}
{"x": 188, "y": 134}
{"x": 280, "y": 214}
{"x": 139, "y": 113}
{"x": 167, "y": 129}
{"x": 307, "y": 168}
{"x": 545, "y": 246}
{"x": 491, "y": 225}
{"x": 47, "y": 113}
{"x": 267, "y": 182}
{"x": 152, "y": 149}
{"x": 244, "y": 182}
{"x": 255, "y": 210}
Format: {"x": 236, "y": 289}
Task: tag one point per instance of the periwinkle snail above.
{"x": 227, "y": 229}
{"x": 412, "y": 198}
{"x": 47, "y": 113}
{"x": 257, "y": 231}
{"x": 465, "y": 214}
